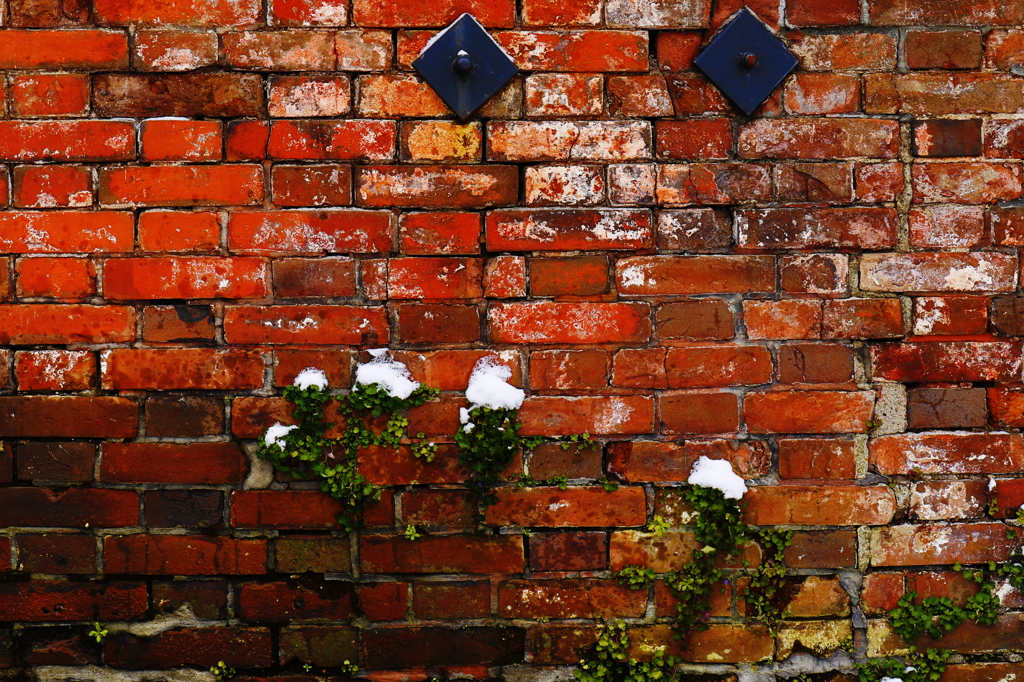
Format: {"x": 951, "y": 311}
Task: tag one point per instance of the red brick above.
{"x": 184, "y": 555}
{"x": 55, "y": 461}
{"x": 947, "y": 453}
{"x": 639, "y": 96}
{"x": 398, "y": 96}
{"x": 946, "y": 361}
{"x": 67, "y": 140}
{"x": 583, "y": 276}
{"x": 334, "y": 363}
{"x": 955, "y": 315}
{"x": 815, "y": 13}
{"x": 943, "y": 49}
{"x": 564, "y": 185}
{"x": 285, "y": 509}
{"x": 309, "y": 232}
{"x": 713, "y": 183}
{"x": 948, "y": 500}
{"x": 193, "y": 94}
{"x": 823, "y": 275}
{"x": 439, "y": 233}
{"x": 184, "y": 508}
{"x": 46, "y": 416}
{"x": 694, "y": 139}
{"x": 1003, "y": 48}
{"x": 56, "y": 553}
{"x": 438, "y": 508}
{"x": 686, "y": 275}
{"x": 1003, "y": 139}
{"x": 175, "y": 324}
{"x": 442, "y": 554}
{"x": 281, "y": 50}
{"x": 314, "y": 277}
{"x": 44, "y": 601}
{"x": 52, "y": 186}
{"x": 490, "y": 13}
{"x": 181, "y": 231}
{"x": 438, "y": 323}
{"x": 720, "y": 643}
{"x": 822, "y": 549}
{"x": 677, "y": 50}
{"x": 573, "y": 323}
{"x": 247, "y": 140}
{"x": 653, "y": 461}
{"x": 93, "y": 50}
{"x": 174, "y": 50}
{"x": 830, "y": 183}
{"x": 825, "y": 458}
{"x": 72, "y": 508}
{"x": 703, "y": 412}
{"x": 876, "y": 182}
{"x": 786, "y": 319}
{"x": 309, "y": 599}
{"x": 334, "y": 140}
{"x": 938, "y": 93}
{"x": 62, "y": 278}
{"x": 568, "y": 141}
{"x": 850, "y": 505}
{"x": 804, "y": 228}
{"x": 382, "y": 601}
{"x": 440, "y": 187}
{"x": 192, "y": 278}
{"x": 312, "y": 553}
{"x": 178, "y": 12}
{"x": 966, "y": 183}
{"x": 184, "y": 416}
{"x": 931, "y": 12}
{"x": 698, "y": 320}
{"x": 55, "y": 370}
{"x": 207, "y": 598}
{"x": 182, "y": 185}
{"x": 1006, "y": 405}
{"x": 569, "y": 369}
{"x": 169, "y": 140}
{"x": 505, "y": 277}
{"x": 947, "y": 226}
{"x": 810, "y": 412}
{"x": 435, "y": 278}
{"x": 576, "y": 51}
{"x": 945, "y": 138}
{"x": 862, "y": 318}
{"x": 925, "y": 544}
{"x": 59, "y": 94}
{"x": 305, "y": 325}
{"x": 694, "y": 95}
{"x": 575, "y": 507}
{"x": 204, "y": 463}
{"x": 568, "y": 229}
{"x": 202, "y": 647}
{"x": 640, "y": 368}
{"x": 845, "y": 51}
{"x": 822, "y": 93}
{"x": 574, "y": 598}
{"x": 818, "y": 139}
{"x": 452, "y": 600}
{"x": 938, "y": 272}
{"x": 462, "y": 651}
{"x": 815, "y": 363}
{"x": 708, "y": 366}
{"x": 564, "y": 416}
{"x": 308, "y": 12}
{"x": 323, "y": 646}
{"x": 66, "y": 232}
{"x": 192, "y": 368}
{"x": 34, "y": 324}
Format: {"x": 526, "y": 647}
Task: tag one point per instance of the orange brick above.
{"x": 59, "y": 94}
{"x": 326, "y": 185}
{"x": 191, "y": 231}
{"x": 56, "y": 370}
{"x": 182, "y": 185}
{"x": 170, "y": 140}
{"x": 52, "y": 186}
{"x": 304, "y": 96}
{"x": 556, "y": 13}
{"x": 187, "y": 277}
{"x": 78, "y": 49}
{"x": 439, "y": 233}
{"x": 177, "y": 12}
{"x": 308, "y": 12}
{"x": 170, "y": 50}
{"x": 62, "y": 278}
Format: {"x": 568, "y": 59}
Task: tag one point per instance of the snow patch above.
{"x": 717, "y": 473}
{"x": 390, "y": 375}
{"x": 311, "y": 376}
{"x": 488, "y": 386}
{"x": 276, "y": 433}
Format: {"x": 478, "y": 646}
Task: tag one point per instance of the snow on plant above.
{"x": 717, "y": 473}
{"x": 392, "y": 376}
{"x": 275, "y": 436}
{"x": 311, "y": 376}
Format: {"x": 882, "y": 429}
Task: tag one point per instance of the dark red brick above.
{"x": 452, "y": 600}
{"x": 184, "y": 508}
{"x": 184, "y": 416}
{"x": 56, "y": 461}
{"x": 74, "y": 507}
{"x": 56, "y": 553}
{"x": 946, "y": 138}
{"x": 204, "y": 647}
{"x": 946, "y": 408}
{"x": 208, "y": 599}
{"x": 577, "y": 551}
{"x": 59, "y": 601}
{"x": 184, "y": 555}
{"x": 405, "y": 647}
{"x": 442, "y": 554}
{"x": 309, "y": 598}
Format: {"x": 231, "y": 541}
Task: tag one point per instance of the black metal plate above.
{"x": 492, "y": 67}
{"x": 721, "y": 61}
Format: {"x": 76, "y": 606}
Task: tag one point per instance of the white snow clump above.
{"x": 311, "y": 376}
{"x": 891, "y": 679}
{"x": 717, "y": 473}
{"x": 488, "y": 386}
{"x": 390, "y": 375}
{"x": 276, "y": 433}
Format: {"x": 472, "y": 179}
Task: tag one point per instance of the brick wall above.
{"x": 203, "y": 197}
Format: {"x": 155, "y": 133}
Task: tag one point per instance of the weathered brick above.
{"x": 947, "y": 453}
{"x": 564, "y": 94}
{"x": 938, "y": 272}
{"x": 579, "y": 323}
{"x": 564, "y": 185}
{"x": 694, "y": 139}
{"x": 823, "y": 275}
{"x": 452, "y": 600}
{"x": 822, "y": 93}
{"x": 573, "y": 598}
{"x": 640, "y": 461}
{"x": 184, "y": 416}
{"x": 1003, "y": 48}
{"x": 704, "y": 412}
{"x": 173, "y": 463}
{"x": 926, "y": 544}
{"x": 162, "y": 324}
{"x": 398, "y": 96}
{"x": 931, "y": 12}
{"x": 55, "y": 461}
{"x": 830, "y": 138}
{"x": 184, "y": 555}
{"x": 308, "y": 12}
{"x": 581, "y": 276}
{"x": 48, "y": 14}
{"x": 55, "y": 370}
{"x": 1006, "y": 316}
{"x": 942, "y": 226}
{"x": 581, "y": 51}
{"x": 948, "y": 500}
{"x": 286, "y": 509}
{"x": 221, "y": 95}
{"x": 786, "y": 319}
{"x": 441, "y": 141}
{"x": 194, "y": 368}
{"x": 966, "y": 183}
{"x": 407, "y": 647}
{"x": 694, "y": 95}
{"x": 943, "y": 49}
{"x": 697, "y": 230}
{"x": 173, "y": 50}
{"x": 451, "y": 508}
{"x": 954, "y": 315}
{"x": 815, "y": 363}
{"x": 61, "y": 600}
{"x": 877, "y": 182}
{"x": 439, "y": 233}
{"x": 437, "y": 186}
{"x": 568, "y": 141}
{"x": 845, "y": 51}
{"x": 824, "y": 458}
{"x": 312, "y": 553}
{"x": 305, "y": 325}
{"x": 442, "y": 554}
{"x": 938, "y": 93}
{"x": 184, "y": 508}
{"x": 52, "y": 187}
{"x": 56, "y": 553}
{"x": 551, "y": 507}
{"x": 202, "y": 13}
{"x": 660, "y": 14}
{"x": 309, "y": 232}
{"x": 46, "y": 416}
{"x": 699, "y": 320}
{"x": 200, "y": 646}
{"x": 849, "y": 505}
{"x": 639, "y": 96}
{"x": 810, "y": 412}
{"x": 568, "y": 229}
{"x": 944, "y": 408}
{"x": 319, "y": 645}
{"x": 712, "y": 184}
{"x": 314, "y": 277}
{"x": 74, "y": 507}
{"x": 947, "y": 361}
{"x": 862, "y": 318}
{"x": 309, "y": 599}
{"x": 814, "y": 13}
{"x": 281, "y": 50}
{"x": 687, "y": 275}
{"x": 803, "y": 228}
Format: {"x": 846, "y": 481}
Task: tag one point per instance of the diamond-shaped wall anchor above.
{"x": 746, "y": 61}
{"x": 465, "y": 65}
